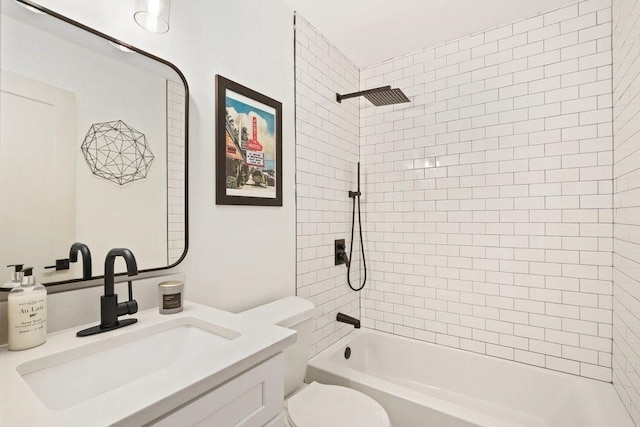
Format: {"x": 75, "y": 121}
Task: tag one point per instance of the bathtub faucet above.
{"x": 349, "y": 320}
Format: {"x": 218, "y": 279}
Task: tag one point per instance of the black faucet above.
{"x": 86, "y": 258}
{"x": 341, "y": 317}
{"x": 110, "y": 309}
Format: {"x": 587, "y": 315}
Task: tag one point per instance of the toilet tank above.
{"x": 294, "y": 313}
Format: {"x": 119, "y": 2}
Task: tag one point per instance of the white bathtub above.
{"x": 421, "y": 384}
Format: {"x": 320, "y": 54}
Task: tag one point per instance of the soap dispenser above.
{"x": 27, "y": 309}
{"x": 16, "y": 277}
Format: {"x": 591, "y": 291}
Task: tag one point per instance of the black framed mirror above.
{"x": 93, "y": 148}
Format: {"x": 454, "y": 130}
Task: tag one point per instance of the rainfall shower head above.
{"x": 378, "y": 96}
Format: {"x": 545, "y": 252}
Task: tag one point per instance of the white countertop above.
{"x": 142, "y": 400}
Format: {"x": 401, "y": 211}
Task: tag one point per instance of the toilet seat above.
{"x": 321, "y": 405}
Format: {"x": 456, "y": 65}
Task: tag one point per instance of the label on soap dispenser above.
{"x": 27, "y": 321}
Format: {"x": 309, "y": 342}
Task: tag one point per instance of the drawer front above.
{"x": 251, "y": 399}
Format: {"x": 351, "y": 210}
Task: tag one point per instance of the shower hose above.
{"x": 353, "y": 223}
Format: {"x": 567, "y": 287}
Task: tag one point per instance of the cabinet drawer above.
{"x": 251, "y": 399}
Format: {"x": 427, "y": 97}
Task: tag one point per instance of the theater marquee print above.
{"x": 248, "y": 146}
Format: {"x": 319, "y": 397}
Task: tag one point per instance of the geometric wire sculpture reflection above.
{"x": 117, "y": 152}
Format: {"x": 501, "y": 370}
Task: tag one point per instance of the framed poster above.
{"x": 248, "y": 146}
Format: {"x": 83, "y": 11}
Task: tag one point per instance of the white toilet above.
{"x": 314, "y": 405}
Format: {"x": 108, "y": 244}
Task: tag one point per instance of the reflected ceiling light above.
{"x": 29, "y": 7}
{"x": 120, "y": 47}
{"x": 153, "y": 15}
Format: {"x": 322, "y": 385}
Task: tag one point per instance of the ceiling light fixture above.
{"x": 153, "y": 15}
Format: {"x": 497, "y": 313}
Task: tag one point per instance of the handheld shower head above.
{"x": 378, "y": 96}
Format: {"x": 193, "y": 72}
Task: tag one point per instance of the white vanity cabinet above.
{"x": 253, "y": 398}
{"x": 199, "y": 367}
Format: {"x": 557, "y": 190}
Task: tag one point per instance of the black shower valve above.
{"x": 340, "y": 252}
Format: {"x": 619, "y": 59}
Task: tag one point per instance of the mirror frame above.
{"x": 92, "y": 281}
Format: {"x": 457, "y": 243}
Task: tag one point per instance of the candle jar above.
{"x": 170, "y": 296}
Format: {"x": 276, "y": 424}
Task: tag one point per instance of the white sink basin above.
{"x": 68, "y": 378}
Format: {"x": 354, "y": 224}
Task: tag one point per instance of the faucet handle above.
{"x": 128, "y": 307}
{"x": 61, "y": 264}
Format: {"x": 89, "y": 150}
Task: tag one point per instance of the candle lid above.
{"x": 171, "y": 284}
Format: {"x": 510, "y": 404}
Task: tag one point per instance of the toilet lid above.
{"x": 320, "y": 405}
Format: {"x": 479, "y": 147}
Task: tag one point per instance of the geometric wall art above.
{"x": 117, "y": 152}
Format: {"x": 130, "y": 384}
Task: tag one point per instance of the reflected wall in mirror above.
{"x": 58, "y": 79}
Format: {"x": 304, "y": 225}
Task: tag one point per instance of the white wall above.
{"x": 626, "y": 173}
{"x": 239, "y": 256}
{"x": 488, "y": 197}
{"x": 327, "y": 152}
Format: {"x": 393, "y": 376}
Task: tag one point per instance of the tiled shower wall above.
{"x": 176, "y": 217}
{"x": 626, "y": 172}
{"x": 488, "y": 198}
{"x": 327, "y": 138}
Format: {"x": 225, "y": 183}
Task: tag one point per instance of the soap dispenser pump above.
{"x": 27, "y": 310}
{"x": 16, "y": 277}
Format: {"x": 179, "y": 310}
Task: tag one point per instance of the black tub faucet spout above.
{"x": 341, "y": 317}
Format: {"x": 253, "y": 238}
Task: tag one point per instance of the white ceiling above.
{"x": 371, "y": 31}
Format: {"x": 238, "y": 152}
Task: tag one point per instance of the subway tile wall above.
{"x": 176, "y": 171}
{"x": 626, "y": 173}
{"x": 488, "y": 198}
{"x": 327, "y": 152}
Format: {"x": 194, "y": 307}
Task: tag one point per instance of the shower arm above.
{"x": 339, "y": 97}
